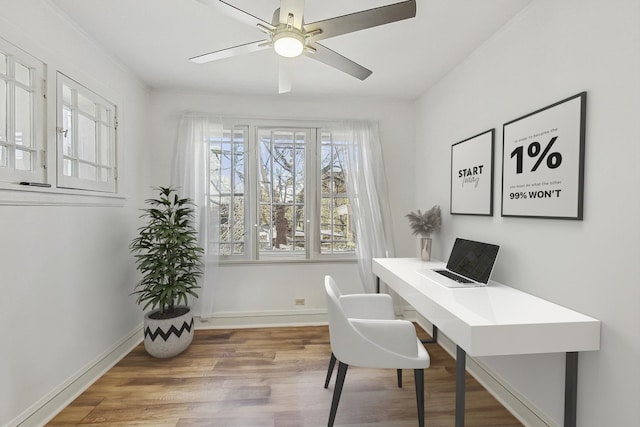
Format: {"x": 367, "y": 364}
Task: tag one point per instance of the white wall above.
{"x": 552, "y": 50}
{"x": 65, "y": 270}
{"x": 253, "y": 289}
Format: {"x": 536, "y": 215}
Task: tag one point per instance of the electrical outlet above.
{"x": 299, "y": 301}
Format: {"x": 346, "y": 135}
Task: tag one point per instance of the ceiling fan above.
{"x": 291, "y": 37}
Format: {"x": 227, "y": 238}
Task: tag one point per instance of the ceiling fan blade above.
{"x": 238, "y": 14}
{"x": 232, "y": 51}
{"x": 294, "y": 7}
{"x": 335, "y": 60}
{"x": 361, "y": 20}
{"x": 285, "y": 74}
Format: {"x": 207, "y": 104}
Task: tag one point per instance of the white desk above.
{"x": 493, "y": 320}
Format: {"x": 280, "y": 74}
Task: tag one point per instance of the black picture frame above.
{"x": 543, "y": 162}
{"x": 472, "y": 175}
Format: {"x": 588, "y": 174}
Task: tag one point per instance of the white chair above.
{"x": 373, "y": 343}
{"x": 362, "y": 306}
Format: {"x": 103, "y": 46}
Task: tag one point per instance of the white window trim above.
{"x": 65, "y": 181}
{"x": 38, "y": 73}
{"x": 312, "y": 253}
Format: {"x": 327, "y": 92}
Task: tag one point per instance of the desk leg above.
{"x": 434, "y": 336}
{"x": 570, "y": 389}
{"x": 461, "y": 361}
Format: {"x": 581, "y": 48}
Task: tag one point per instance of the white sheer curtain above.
{"x": 189, "y": 175}
{"x": 368, "y": 195}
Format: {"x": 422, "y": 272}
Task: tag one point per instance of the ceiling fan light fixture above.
{"x": 288, "y": 43}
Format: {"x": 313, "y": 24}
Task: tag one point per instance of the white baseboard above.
{"x": 51, "y": 404}
{"x": 264, "y": 319}
{"x": 521, "y": 408}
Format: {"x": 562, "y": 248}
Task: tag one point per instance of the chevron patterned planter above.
{"x": 164, "y": 338}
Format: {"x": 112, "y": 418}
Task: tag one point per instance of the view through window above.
{"x": 278, "y": 193}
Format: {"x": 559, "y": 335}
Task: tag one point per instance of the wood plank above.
{"x": 270, "y": 377}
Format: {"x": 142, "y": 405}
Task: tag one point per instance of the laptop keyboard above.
{"x": 453, "y": 276}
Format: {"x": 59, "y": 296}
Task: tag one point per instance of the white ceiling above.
{"x": 155, "y": 38}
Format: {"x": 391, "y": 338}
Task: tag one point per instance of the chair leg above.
{"x": 399, "y": 378}
{"x": 337, "y": 391}
{"x": 332, "y": 363}
{"x": 419, "y": 379}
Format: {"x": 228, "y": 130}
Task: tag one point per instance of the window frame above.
{"x": 111, "y": 124}
{"x": 37, "y": 87}
{"x": 318, "y": 199}
{"x": 312, "y": 252}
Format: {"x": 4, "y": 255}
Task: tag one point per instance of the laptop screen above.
{"x": 471, "y": 259}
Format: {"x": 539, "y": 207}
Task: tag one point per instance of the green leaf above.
{"x": 166, "y": 252}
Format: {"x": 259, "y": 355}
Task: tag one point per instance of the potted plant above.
{"x": 423, "y": 224}
{"x": 170, "y": 260}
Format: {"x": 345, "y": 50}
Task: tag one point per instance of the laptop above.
{"x": 470, "y": 264}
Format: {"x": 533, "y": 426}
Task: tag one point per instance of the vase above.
{"x": 425, "y": 248}
{"x": 164, "y": 338}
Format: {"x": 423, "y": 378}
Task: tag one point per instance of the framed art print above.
{"x": 543, "y": 161}
{"x": 472, "y": 175}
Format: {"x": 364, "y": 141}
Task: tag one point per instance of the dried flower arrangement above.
{"x": 424, "y": 224}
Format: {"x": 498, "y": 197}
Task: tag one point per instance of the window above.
{"x": 21, "y": 116}
{"x": 278, "y": 193}
{"x": 335, "y": 228}
{"x": 227, "y": 193}
{"x": 87, "y": 125}
{"x": 282, "y": 184}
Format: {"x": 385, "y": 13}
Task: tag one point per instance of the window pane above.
{"x": 86, "y": 138}
{"x": 282, "y": 197}
{"x": 4, "y": 161}
{"x": 67, "y": 136}
{"x": 226, "y": 190}
{"x": 298, "y": 234}
{"x": 105, "y": 175}
{"x": 24, "y": 117}
{"x": 335, "y": 228}
{"x": 68, "y": 167}
{"x": 238, "y": 168}
{"x": 20, "y": 106}
{"x": 3, "y": 111}
{"x": 66, "y": 94}
{"x": 224, "y": 218}
{"x": 104, "y": 145}
{"x": 222, "y": 249}
{"x": 24, "y": 160}
{"x": 86, "y": 105}
{"x": 238, "y": 230}
{"x": 23, "y": 75}
{"x": 89, "y": 142}
{"x": 87, "y": 172}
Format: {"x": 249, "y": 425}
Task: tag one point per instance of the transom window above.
{"x": 278, "y": 193}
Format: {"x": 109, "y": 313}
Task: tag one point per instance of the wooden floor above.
{"x": 270, "y": 377}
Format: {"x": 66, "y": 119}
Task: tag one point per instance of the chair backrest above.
{"x": 334, "y": 286}
{"x": 339, "y": 327}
